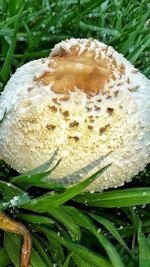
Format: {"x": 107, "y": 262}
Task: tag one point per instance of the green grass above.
{"x": 68, "y": 227}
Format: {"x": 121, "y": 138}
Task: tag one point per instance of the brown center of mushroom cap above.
{"x": 69, "y": 71}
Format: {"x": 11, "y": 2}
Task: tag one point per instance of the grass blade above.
{"x": 35, "y": 219}
{"x": 55, "y": 250}
{"x": 116, "y": 198}
{"x": 47, "y": 202}
{"x": 11, "y": 248}
{"x": 64, "y": 218}
{"x": 111, "y": 228}
{"x": 4, "y": 259}
{"x": 144, "y": 248}
{"x": 75, "y": 177}
{"x": 7, "y": 64}
{"x": 90, "y": 257}
{"x": 13, "y": 196}
{"x": 12, "y": 244}
{"x": 79, "y": 261}
{"x": 42, "y": 253}
{"x": 35, "y": 176}
{"x": 67, "y": 261}
{"x": 85, "y": 222}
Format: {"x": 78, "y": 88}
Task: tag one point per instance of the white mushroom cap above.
{"x": 85, "y": 99}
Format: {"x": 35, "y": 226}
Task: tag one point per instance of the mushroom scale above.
{"x": 85, "y": 99}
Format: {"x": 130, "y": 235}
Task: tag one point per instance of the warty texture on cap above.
{"x": 86, "y": 100}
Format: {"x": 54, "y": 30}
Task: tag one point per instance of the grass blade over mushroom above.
{"x": 42, "y": 204}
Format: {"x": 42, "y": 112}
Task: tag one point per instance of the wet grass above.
{"x": 69, "y": 228}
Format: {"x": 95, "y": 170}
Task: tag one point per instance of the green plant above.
{"x": 69, "y": 227}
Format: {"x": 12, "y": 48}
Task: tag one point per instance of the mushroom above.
{"x": 85, "y": 99}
